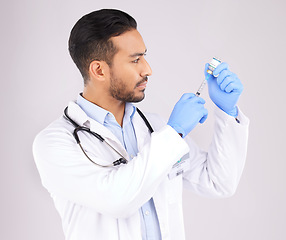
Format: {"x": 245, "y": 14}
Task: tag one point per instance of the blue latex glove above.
{"x": 187, "y": 113}
{"x": 224, "y": 89}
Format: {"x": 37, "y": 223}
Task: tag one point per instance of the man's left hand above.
{"x": 224, "y": 88}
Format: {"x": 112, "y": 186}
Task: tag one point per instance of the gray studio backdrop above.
{"x": 38, "y": 79}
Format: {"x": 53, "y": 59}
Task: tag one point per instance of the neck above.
{"x": 108, "y": 103}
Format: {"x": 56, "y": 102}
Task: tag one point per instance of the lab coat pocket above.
{"x": 175, "y": 189}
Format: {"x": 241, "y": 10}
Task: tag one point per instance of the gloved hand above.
{"x": 224, "y": 89}
{"x": 187, "y": 113}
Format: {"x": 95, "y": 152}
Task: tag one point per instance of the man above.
{"x": 143, "y": 198}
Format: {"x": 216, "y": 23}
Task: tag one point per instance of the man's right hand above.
{"x": 187, "y": 113}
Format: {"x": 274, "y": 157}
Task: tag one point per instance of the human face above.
{"x": 129, "y": 71}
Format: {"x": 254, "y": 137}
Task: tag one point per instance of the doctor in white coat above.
{"x": 143, "y": 198}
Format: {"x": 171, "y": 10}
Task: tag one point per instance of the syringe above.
{"x": 212, "y": 66}
{"x": 202, "y": 86}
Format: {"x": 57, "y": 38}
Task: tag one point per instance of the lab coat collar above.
{"x": 77, "y": 114}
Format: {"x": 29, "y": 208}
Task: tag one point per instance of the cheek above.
{"x": 129, "y": 73}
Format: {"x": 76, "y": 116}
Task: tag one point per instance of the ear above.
{"x": 98, "y": 70}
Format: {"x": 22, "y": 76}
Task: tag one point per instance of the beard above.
{"x": 119, "y": 90}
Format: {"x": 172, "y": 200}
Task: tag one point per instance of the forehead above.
{"x": 129, "y": 43}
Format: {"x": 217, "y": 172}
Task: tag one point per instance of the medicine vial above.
{"x": 213, "y": 64}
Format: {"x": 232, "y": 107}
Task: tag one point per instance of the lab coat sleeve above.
{"x": 116, "y": 191}
{"x": 216, "y": 173}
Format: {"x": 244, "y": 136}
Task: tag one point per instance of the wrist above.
{"x": 178, "y": 129}
{"x": 233, "y": 112}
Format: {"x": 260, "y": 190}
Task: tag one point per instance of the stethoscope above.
{"x": 79, "y": 128}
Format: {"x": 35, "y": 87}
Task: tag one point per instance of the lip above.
{"x": 142, "y": 85}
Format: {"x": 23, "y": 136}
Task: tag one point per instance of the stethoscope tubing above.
{"x": 79, "y": 128}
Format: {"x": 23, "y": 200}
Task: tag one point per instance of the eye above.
{"x": 136, "y": 60}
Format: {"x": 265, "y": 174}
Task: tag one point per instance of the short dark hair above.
{"x": 90, "y": 37}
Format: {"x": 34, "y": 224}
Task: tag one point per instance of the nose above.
{"x": 146, "y": 70}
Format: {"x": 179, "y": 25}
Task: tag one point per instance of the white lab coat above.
{"x": 102, "y": 203}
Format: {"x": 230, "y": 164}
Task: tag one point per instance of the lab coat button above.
{"x": 147, "y": 213}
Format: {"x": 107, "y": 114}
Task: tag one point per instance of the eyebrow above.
{"x": 138, "y": 54}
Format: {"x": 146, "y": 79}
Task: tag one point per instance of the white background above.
{"x": 38, "y": 79}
